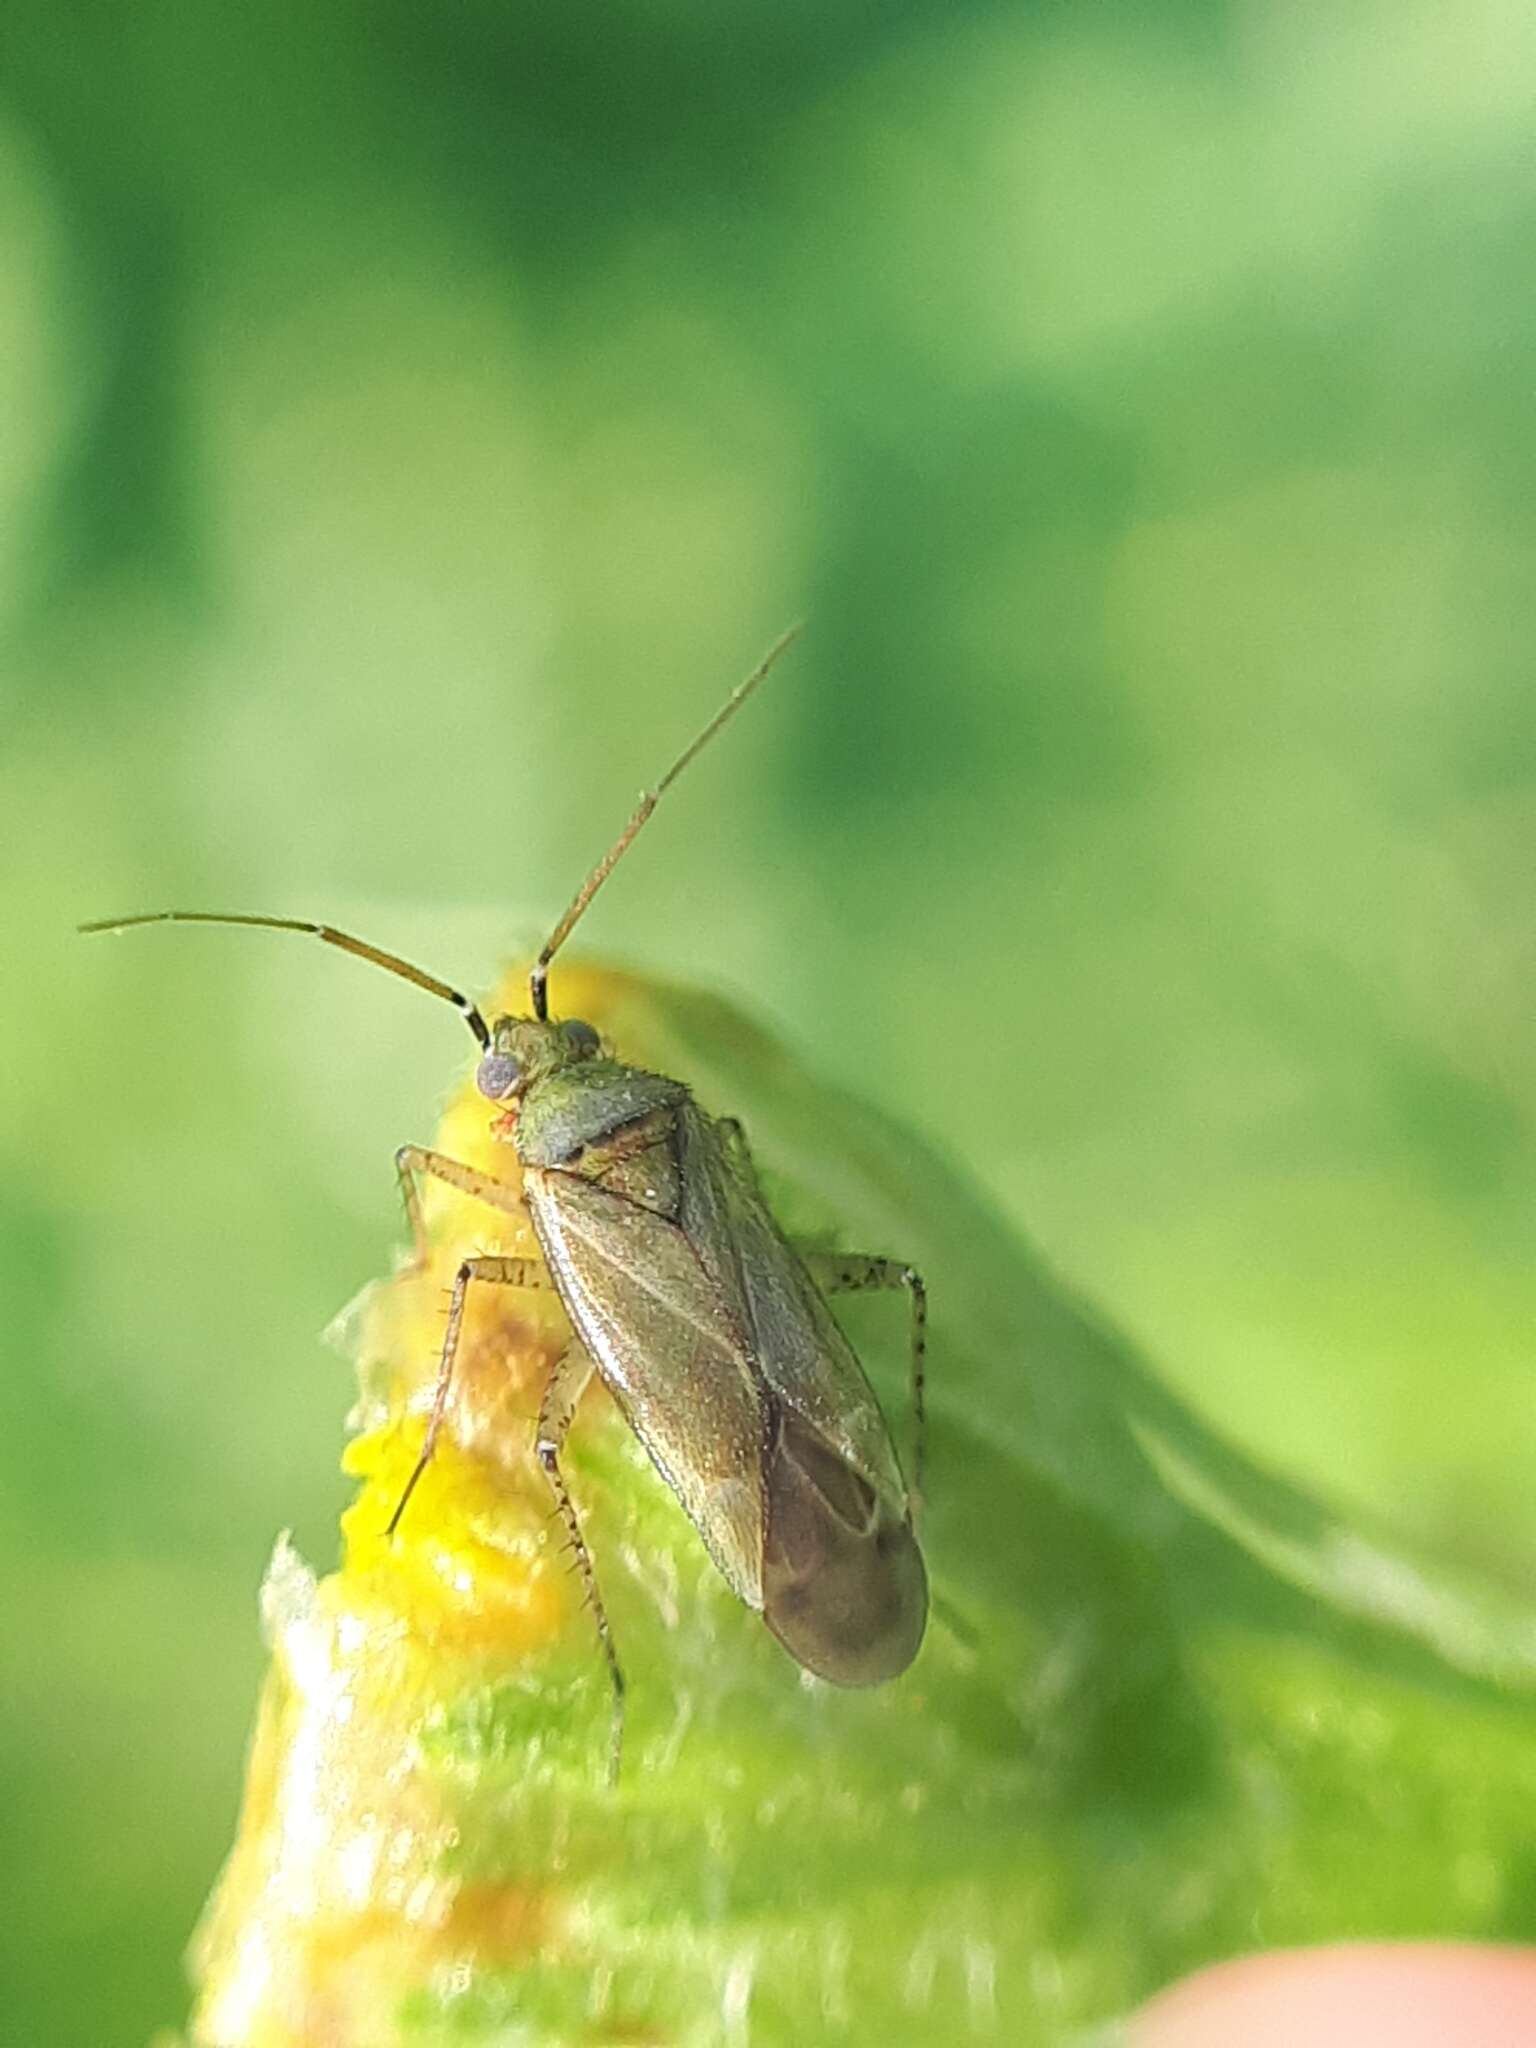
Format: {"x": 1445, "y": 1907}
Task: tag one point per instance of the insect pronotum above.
{"x": 710, "y": 1330}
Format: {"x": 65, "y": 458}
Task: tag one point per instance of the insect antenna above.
{"x": 642, "y": 811}
{"x": 328, "y": 934}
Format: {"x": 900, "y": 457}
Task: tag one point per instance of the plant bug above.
{"x": 709, "y": 1329}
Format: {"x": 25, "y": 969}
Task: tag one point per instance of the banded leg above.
{"x": 567, "y": 1383}
{"x": 505, "y": 1273}
{"x": 414, "y": 1163}
{"x": 851, "y": 1272}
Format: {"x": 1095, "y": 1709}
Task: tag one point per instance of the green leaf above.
{"x": 1167, "y": 1709}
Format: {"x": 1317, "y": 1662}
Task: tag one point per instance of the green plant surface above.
{"x": 1168, "y": 1710}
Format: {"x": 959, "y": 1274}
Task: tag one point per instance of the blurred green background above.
{"x": 414, "y": 420}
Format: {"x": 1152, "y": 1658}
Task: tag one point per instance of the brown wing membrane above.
{"x": 669, "y": 1346}
{"x": 844, "y": 1588}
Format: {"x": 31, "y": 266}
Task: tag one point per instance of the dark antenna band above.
{"x": 648, "y": 802}
{"x": 328, "y": 934}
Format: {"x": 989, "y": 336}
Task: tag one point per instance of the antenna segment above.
{"x": 328, "y": 934}
{"x": 647, "y": 804}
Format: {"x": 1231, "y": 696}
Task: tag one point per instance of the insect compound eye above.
{"x": 497, "y": 1075}
{"x": 581, "y": 1038}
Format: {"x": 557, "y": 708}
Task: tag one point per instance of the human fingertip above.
{"x": 1400, "y": 1995}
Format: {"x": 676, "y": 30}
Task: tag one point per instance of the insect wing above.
{"x": 844, "y": 1587}
{"x": 741, "y": 1386}
{"x": 796, "y": 1343}
{"x": 668, "y": 1344}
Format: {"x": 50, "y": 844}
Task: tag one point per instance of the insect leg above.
{"x": 507, "y": 1273}
{"x": 564, "y": 1390}
{"x": 414, "y": 1163}
{"x": 849, "y": 1272}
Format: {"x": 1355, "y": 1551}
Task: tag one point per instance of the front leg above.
{"x": 504, "y": 1272}
{"x": 414, "y": 1163}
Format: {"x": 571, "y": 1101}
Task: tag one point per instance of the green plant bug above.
{"x": 711, "y": 1331}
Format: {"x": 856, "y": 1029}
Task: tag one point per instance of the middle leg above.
{"x": 567, "y": 1383}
